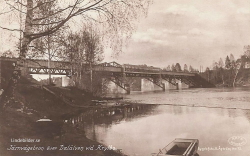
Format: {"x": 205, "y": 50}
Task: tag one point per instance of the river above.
{"x": 214, "y": 116}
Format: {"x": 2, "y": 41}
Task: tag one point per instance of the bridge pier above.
{"x": 114, "y": 85}
{"x": 164, "y": 87}
{"x": 172, "y": 81}
{"x": 127, "y": 86}
{"x": 178, "y": 83}
{"x": 149, "y": 84}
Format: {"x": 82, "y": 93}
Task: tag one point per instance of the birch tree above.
{"x": 117, "y": 18}
{"x": 83, "y": 49}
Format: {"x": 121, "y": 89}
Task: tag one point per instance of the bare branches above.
{"x": 116, "y": 18}
{"x": 21, "y": 3}
{"x": 2, "y": 13}
{"x": 17, "y": 9}
{"x": 86, "y": 9}
{"x": 48, "y": 23}
{"x": 70, "y": 15}
{"x": 50, "y": 15}
{"x": 11, "y": 29}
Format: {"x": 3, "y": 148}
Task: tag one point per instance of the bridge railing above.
{"x": 36, "y": 66}
{"x": 54, "y": 71}
{"x": 110, "y": 64}
{"x": 180, "y": 73}
{"x": 134, "y": 68}
{"x": 107, "y": 68}
{"x": 44, "y": 63}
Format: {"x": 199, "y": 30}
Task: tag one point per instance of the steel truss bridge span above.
{"x": 116, "y": 73}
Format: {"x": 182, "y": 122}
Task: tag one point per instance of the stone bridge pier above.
{"x": 115, "y": 86}
{"x": 141, "y": 84}
{"x": 147, "y": 85}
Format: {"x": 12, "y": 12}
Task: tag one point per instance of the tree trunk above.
{"x": 237, "y": 71}
{"x": 223, "y": 82}
{"x": 49, "y": 61}
{"x": 20, "y": 69}
{"x": 91, "y": 78}
{"x": 27, "y": 31}
{"x": 222, "y": 76}
{"x": 26, "y": 38}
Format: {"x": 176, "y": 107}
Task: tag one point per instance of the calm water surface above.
{"x": 140, "y": 131}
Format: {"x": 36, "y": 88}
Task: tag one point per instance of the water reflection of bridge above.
{"x": 89, "y": 122}
{"x": 112, "y": 115}
{"x": 98, "y": 121}
{"x": 112, "y": 71}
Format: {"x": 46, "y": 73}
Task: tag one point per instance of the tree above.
{"x": 221, "y": 63}
{"x": 232, "y": 60}
{"x": 191, "y": 69}
{"x": 178, "y": 67}
{"x": 47, "y": 47}
{"x": 185, "y": 68}
{"x": 207, "y": 72}
{"x": 230, "y": 64}
{"x": 243, "y": 59}
{"x": 173, "y": 67}
{"x": 168, "y": 68}
{"x": 83, "y": 49}
{"x": 215, "y": 65}
{"x": 237, "y": 69}
{"x": 83, "y": 46}
{"x": 227, "y": 63}
{"x": 247, "y": 51}
{"x": 221, "y": 74}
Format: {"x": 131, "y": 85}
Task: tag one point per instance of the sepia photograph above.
{"x": 124, "y": 77}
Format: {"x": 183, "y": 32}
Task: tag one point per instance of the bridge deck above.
{"x": 113, "y": 69}
{"x": 177, "y": 73}
{"x": 36, "y": 66}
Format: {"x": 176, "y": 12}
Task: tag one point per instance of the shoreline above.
{"x": 21, "y": 127}
{"x": 32, "y": 103}
{"x": 192, "y": 105}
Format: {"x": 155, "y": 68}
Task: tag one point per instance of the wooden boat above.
{"x": 48, "y": 127}
{"x": 180, "y": 147}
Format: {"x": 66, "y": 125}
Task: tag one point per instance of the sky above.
{"x": 192, "y": 32}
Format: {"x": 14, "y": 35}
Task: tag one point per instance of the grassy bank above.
{"x": 32, "y": 102}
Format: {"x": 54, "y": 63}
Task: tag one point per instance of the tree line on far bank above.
{"x": 230, "y": 71}
{"x": 177, "y": 68}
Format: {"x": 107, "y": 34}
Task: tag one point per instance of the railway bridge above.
{"x": 113, "y": 71}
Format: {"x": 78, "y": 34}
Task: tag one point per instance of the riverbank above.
{"x": 33, "y": 102}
